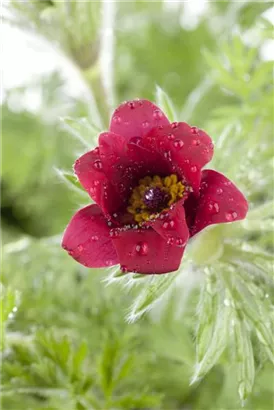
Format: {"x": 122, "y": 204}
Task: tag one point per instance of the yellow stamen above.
{"x": 169, "y": 184}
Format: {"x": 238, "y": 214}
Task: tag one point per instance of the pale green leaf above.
{"x": 164, "y": 102}
{"x": 154, "y": 289}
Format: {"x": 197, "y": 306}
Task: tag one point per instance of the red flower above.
{"x": 151, "y": 193}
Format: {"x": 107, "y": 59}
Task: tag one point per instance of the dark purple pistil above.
{"x": 155, "y": 199}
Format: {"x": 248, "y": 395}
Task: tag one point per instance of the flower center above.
{"x": 153, "y": 195}
{"x": 155, "y": 198}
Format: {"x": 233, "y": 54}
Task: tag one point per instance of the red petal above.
{"x": 89, "y": 170}
{"x": 145, "y": 251}
{"x": 220, "y": 202}
{"x": 117, "y": 164}
{"x": 87, "y": 239}
{"x": 124, "y": 164}
{"x": 136, "y": 118}
{"x": 172, "y": 225}
{"x": 187, "y": 148}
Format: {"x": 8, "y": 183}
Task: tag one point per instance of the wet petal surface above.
{"x": 89, "y": 170}
{"x": 145, "y": 251}
{"x": 220, "y": 202}
{"x": 136, "y": 118}
{"x": 87, "y": 239}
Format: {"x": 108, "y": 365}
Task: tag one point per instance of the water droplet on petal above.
{"x": 213, "y": 207}
{"x": 216, "y": 207}
{"x": 123, "y": 269}
{"x": 94, "y": 238}
{"x": 170, "y": 240}
{"x": 171, "y": 136}
{"x": 194, "y": 130}
{"x": 180, "y": 242}
{"x": 219, "y": 191}
{"x": 96, "y": 150}
{"x": 145, "y": 124}
{"x": 114, "y": 233}
{"x": 196, "y": 142}
{"x": 141, "y": 248}
{"x": 131, "y": 105}
{"x": 157, "y": 114}
{"x": 178, "y": 144}
{"x": 167, "y": 155}
{"x": 80, "y": 248}
{"x": 193, "y": 169}
{"x": 169, "y": 224}
{"x": 231, "y": 216}
{"x": 174, "y": 125}
{"x": 98, "y": 164}
{"x": 117, "y": 119}
{"x": 96, "y": 182}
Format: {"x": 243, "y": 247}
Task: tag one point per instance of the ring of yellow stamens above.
{"x": 170, "y": 185}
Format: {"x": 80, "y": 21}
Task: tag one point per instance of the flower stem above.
{"x": 94, "y": 80}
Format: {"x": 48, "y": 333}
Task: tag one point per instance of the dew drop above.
{"x": 170, "y": 240}
{"x": 123, "y": 268}
{"x": 231, "y": 216}
{"x": 180, "y": 242}
{"x": 178, "y": 144}
{"x": 141, "y": 248}
{"x": 196, "y": 142}
{"x": 96, "y": 182}
{"x": 117, "y": 119}
{"x": 98, "y": 164}
{"x": 109, "y": 263}
{"x": 131, "y": 105}
{"x": 211, "y": 145}
{"x": 219, "y": 191}
{"x": 96, "y": 150}
{"x": 167, "y": 155}
{"x": 80, "y": 248}
{"x": 174, "y": 125}
{"x": 171, "y": 137}
{"x": 194, "y": 130}
{"x": 114, "y": 233}
{"x": 145, "y": 124}
{"x": 169, "y": 224}
{"x": 193, "y": 169}
{"x": 157, "y": 114}
{"x": 94, "y": 238}
{"x": 213, "y": 207}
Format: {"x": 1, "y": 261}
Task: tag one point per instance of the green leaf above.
{"x": 154, "y": 289}
{"x": 212, "y": 333}
{"x": 81, "y": 129}
{"x": 9, "y": 303}
{"x": 244, "y": 358}
{"x": 71, "y": 181}
{"x": 164, "y": 102}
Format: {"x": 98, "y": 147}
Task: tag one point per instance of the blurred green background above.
{"x": 66, "y": 343}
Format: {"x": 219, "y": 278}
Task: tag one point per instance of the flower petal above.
{"x": 172, "y": 225}
{"x": 125, "y": 163}
{"x": 89, "y": 170}
{"x": 145, "y": 251}
{"x": 220, "y": 202}
{"x": 136, "y": 118}
{"x": 187, "y": 148}
{"x": 87, "y": 239}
